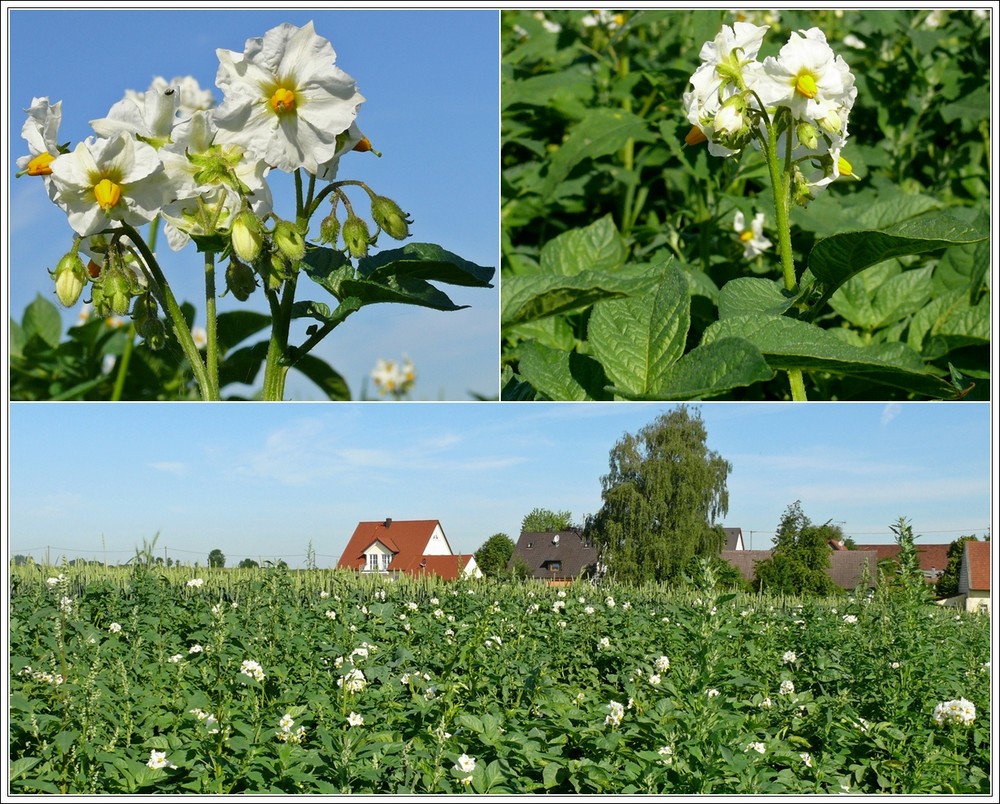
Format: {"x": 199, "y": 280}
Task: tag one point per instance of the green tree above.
{"x": 248, "y": 563}
{"x": 216, "y": 558}
{"x": 800, "y": 558}
{"x": 494, "y": 555}
{"x": 542, "y": 520}
{"x": 947, "y": 585}
{"x": 662, "y": 496}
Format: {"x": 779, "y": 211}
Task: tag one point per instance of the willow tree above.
{"x": 661, "y": 499}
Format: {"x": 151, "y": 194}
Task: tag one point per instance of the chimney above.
{"x": 388, "y": 521}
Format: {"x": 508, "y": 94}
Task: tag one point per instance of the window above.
{"x": 386, "y": 558}
{"x": 555, "y": 566}
{"x": 373, "y": 562}
{"x": 530, "y": 545}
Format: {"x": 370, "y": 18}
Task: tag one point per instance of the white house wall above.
{"x": 437, "y": 544}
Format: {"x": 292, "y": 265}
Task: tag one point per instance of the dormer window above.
{"x": 373, "y": 562}
{"x": 530, "y": 545}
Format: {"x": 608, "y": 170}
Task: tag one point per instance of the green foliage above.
{"x": 622, "y": 277}
{"x": 947, "y": 585}
{"x": 542, "y": 520}
{"x": 800, "y": 558}
{"x": 497, "y": 672}
{"x": 216, "y": 559}
{"x": 493, "y": 557}
{"x": 661, "y": 498}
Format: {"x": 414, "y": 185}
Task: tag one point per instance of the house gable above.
{"x": 734, "y": 538}
{"x": 974, "y": 575}
{"x": 555, "y": 556}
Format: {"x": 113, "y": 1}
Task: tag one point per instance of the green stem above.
{"x": 276, "y": 364}
{"x": 780, "y": 182}
{"x": 119, "y": 389}
{"x": 797, "y": 385}
{"x": 165, "y": 297}
{"x": 211, "y": 325}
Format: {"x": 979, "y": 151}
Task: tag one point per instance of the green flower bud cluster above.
{"x": 240, "y": 279}
{"x": 146, "y": 317}
{"x": 390, "y": 218}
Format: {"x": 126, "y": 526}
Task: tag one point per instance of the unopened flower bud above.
{"x": 329, "y": 229}
{"x": 356, "y": 236}
{"x": 240, "y": 279}
{"x": 729, "y": 120}
{"x": 388, "y": 215}
{"x": 70, "y": 276}
{"x": 247, "y": 237}
{"x": 807, "y": 135}
{"x": 289, "y": 241}
{"x": 831, "y": 122}
{"x": 117, "y": 287}
{"x": 153, "y": 332}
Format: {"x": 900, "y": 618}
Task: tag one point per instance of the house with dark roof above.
{"x": 847, "y": 567}
{"x": 974, "y": 576}
{"x": 557, "y": 557}
{"x": 407, "y": 547}
{"x": 734, "y": 538}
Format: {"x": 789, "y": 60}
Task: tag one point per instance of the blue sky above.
{"x": 259, "y": 480}
{"x": 432, "y": 97}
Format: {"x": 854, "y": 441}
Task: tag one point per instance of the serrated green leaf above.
{"x": 561, "y": 375}
{"x": 19, "y": 767}
{"x": 637, "y": 338}
{"x": 876, "y": 304}
{"x": 533, "y": 296}
{"x": 427, "y": 261}
{"x": 599, "y": 133}
{"x": 949, "y": 321}
{"x": 710, "y": 370}
{"x": 746, "y": 295}
{"x": 42, "y": 320}
{"x": 787, "y": 343}
{"x": 597, "y": 247}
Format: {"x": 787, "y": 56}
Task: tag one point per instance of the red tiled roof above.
{"x": 407, "y": 539}
{"x": 932, "y": 557}
{"x": 975, "y": 574}
{"x": 447, "y": 567}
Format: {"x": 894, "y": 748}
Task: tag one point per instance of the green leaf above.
{"x": 601, "y": 132}
{"x": 745, "y": 295}
{"x": 836, "y": 259}
{"x": 711, "y": 369}
{"x": 947, "y": 322}
{"x": 972, "y": 107}
{"x": 321, "y": 312}
{"x": 326, "y": 267}
{"x": 533, "y": 296}
{"x": 513, "y": 389}
{"x": 42, "y": 320}
{"x": 236, "y": 326}
{"x": 425, "y": 261}
{"x": 19, "y": 767}
{"x": 242, "y": 365}
{"x": 324, "y": 375}
{"x": 877, "y": 297}
{"x": 550, "y": 774}
{"x": 790, "y": 344}
{"x": 561, "y": 375}
{"x": 597, "y": 247}
{"x": 639, "y": 337}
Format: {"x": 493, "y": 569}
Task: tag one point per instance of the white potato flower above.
{"x": 284, "y": 99}
{"x": 41, "y": 131}
{"x": 752, "y": 236}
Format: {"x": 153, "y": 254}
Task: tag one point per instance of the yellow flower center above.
{"x": 40, "y": 165}
{"x": 695, "y": 136}
{"x": 746, "y": 235}
{"x": 283, "y": 100}
{"x": 844, "y": 167}
{"x": 107, "y": 193}
{"x": 805, "y": 84}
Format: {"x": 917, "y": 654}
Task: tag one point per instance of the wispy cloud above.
{"x": 890, "y": 412}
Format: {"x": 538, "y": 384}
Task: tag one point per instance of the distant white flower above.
{"x": 354, "y": 719}
{"x": 626, "y": 606}
{"x": 959, "y": 711}
{"x": 252, "y": 669}
{"x": 286, "y": 722}
{"x": 760, "y": 748}
{"x": 324, "y": 595}
{"x": 66, "y": 605}
{"x": 667, "y": 754}
{"x": 285, "y": 100}
{"x": 404, "y": 679}
{"x": 589, "y": 610}
{"x": 850, "y": 619}
{"x": 609, "y": 602}
{"x": 788, "y": 657}
{"x": 765, "y": 704}
{"x": 558, "y": 606}
{"x": 713, "y": 693}
{"x": 195, "y": 649}
{"x": 175, "y": 658}
{"x": 55, "y": 581}
{"x": 787, "y": 687}
{"x": 196, "y": 582}
{"x": 330, "y": 615}
{"x": 615, "y": 714}
{"x": 852, "y": 41}
{"x": 751, "y": 237}
{"x": 158, "y": 760}
{"x": 353, "y": 681}
{"x": 807, "y": 759}
{"x": 654, "y": 679}
{"x": 894, "y": 665}
{"x": 662, "y": 664}
{"x": 465, "y": 764}
{"x": 493, "y": 640}
{"x": 115, "y": 628}
{"x": 438, "y": 613}
{"x": 604, "y": 643}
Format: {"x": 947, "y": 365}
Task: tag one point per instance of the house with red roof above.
{"x": 407, "y": 547}
{"x": 974, "y": 576}
{"x": 933, "y": 558}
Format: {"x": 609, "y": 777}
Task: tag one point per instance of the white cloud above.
{"x": 178, "y": 468}
{"x": 890, "y": 412}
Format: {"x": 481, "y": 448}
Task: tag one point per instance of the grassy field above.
{"x": 150, "y": 680}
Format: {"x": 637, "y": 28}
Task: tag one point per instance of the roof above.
{"x": 975, "y": 573}
{"x": 554, "y": 555}
{"x": 933, "y": 558}
{"x": 406, "y": 539}
{"x": 734, "y": 538}
{"x": 447, "y": 567}
{"x": 845, "y": 570}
